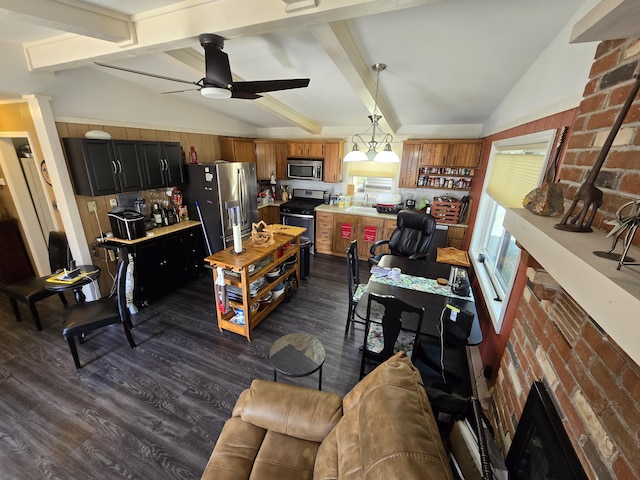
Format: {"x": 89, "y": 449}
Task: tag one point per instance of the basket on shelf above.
{"x": 446, "y": 212}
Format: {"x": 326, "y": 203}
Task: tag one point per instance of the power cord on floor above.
{"x": 442, "y": 344}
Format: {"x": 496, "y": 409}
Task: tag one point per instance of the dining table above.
{"x": 418, "y": 286}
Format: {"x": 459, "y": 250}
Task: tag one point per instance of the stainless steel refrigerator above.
{"x": 210, "y": 186}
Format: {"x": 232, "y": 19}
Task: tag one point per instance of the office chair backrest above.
{"x": 353, "y": 267}
{"x": 413, "y": 233}
{"x": 59, "y": 251}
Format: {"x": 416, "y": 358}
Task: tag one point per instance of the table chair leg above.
{"x": 35, "y": 316}
{"x": 74, "y": 351}
{"x": 16, "y": 309}
{"x": 320, "y": 379}
{"x": 63, "y": 299}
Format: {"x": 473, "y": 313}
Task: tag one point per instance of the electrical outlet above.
{"x": 113, "y": 202}
{"x": 92, "y": 206}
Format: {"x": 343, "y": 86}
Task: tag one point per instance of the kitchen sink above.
{"x": 356, "y": 209}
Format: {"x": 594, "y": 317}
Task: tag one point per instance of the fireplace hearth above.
{"x": 541, "y": 449}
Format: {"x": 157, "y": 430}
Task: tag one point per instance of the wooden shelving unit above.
{"x": 286, "y": 245}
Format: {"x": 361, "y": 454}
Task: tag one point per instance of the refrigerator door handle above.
{"x": 242, "y": 190}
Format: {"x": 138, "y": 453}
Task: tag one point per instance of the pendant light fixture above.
{"x": 385, "y": 155}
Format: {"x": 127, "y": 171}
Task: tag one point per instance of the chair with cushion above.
{"x": 34, "y": 289}
{"x": 355, "y": 288}
{"x": 384, "y": 338}
{"x": 86, "y": 317}
{"x": 411, "y": 238}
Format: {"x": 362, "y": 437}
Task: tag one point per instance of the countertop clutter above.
{"x": 158, "y": 232}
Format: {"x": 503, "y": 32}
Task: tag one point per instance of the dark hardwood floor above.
{"x": 154, "y": 412}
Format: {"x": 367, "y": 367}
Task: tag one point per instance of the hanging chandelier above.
{"x": 385, "y": 155}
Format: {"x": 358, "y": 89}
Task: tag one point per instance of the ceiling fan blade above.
{"x": 180, "y": 91}
{"x": 245, "y": 95}
{"x": 154, "y": 75}
{"x": 261, "y": 86}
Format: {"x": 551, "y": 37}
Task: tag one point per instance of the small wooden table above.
{"x": 297, "y": 355}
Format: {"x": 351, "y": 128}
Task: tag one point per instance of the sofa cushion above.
{"x": 291, "y": 410}
{"x": 388, "y": 427}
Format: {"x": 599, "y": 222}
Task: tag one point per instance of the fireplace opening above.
{"x": 541, "y": 449}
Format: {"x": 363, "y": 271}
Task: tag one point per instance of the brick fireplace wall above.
{"x": 595, "y": 384}
{"x": 611, "y": 79}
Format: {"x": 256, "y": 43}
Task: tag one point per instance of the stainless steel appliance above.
{"x": 300, "y": 211}
{"x": 304, "y": 169}
{"x": 209, "y": 187}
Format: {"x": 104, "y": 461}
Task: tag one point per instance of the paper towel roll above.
{"x": 237, "y": 238}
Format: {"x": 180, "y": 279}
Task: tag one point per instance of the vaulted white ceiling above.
{"x": 450, "y": 62}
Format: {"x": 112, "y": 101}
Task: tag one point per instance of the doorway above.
{"x": 31, "y": 202}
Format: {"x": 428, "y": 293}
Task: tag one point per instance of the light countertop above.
{"x": 158, "y": 232}
{"x": 363, "y": 212}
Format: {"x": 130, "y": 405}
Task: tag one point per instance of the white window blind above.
{"x": 513, "y": 176}
{"x": 372, "y": 169}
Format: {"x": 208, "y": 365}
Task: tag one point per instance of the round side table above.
{"x": 297, "y": 355}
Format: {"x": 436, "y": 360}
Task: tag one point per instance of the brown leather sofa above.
{"x": 382, "y": 429}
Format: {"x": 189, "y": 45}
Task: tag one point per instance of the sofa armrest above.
{"x": 290, "y": 410}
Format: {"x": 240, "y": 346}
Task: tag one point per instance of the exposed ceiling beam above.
{"x": 72, "y": 17}
{"x": 337, "y": 41}
{"x": 195, "y": 60}
{"x": 609, "y": 20}
{"x": 173, "y": 28}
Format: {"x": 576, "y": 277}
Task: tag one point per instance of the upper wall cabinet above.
{"x": 271, "y": 158}
{"x": 310, "y": 149}
{"x": 106, "y": 167}
{"x": 235, "y": 149}
{"x": 333, "y": 153}
{"x": 161, "y": 164}
{"x": 103, "y": 167}
{"x": 448, "y": 164}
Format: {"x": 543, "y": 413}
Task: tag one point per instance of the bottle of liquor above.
{"x": 157, "y": 215}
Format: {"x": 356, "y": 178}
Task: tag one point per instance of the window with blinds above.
{"x": 515, "y": 167}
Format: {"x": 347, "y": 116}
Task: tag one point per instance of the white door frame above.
{"x": 19, "y": 194}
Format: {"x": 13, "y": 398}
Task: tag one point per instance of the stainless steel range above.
{"x": 300, "y": 211}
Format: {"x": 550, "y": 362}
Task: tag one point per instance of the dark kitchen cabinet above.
{"x": 165, "y": 262}
{"x": 103, "y": 167}
{"x": 161, "y": 164}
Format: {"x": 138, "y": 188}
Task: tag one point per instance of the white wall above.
{"x": 553, "y": 83}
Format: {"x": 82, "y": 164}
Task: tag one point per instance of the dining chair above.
{"x": 385, "y": 337}
{"x": 411, "y": 238}
{"x": 355, "y": 288}
{"x": 34, "y": 289}
{"x": 84, "y": 318}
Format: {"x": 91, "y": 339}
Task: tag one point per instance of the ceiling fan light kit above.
{"x": 384, "y": 156}
{"x": 216, "y": 93}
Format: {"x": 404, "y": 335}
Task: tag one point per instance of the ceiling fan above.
{"x": 218, "y": 82}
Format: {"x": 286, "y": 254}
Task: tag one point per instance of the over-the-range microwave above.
{"x": 304, "y": 169}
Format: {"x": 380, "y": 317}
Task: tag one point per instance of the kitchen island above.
{"x": 164, "y": 259}
{"x": 246, "y": 274}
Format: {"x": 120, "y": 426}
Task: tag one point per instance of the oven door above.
{"x": 304, "y": 221}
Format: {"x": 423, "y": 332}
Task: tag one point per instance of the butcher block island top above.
{"x": 252, "y": 295}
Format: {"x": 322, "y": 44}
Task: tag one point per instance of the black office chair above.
{"x": 384, "y": 338}
{"x": 355, "y": 288}
{"x": 34, "y": 289}
{"x": 86, "y": 317}
{"x": 411, "y": 238}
